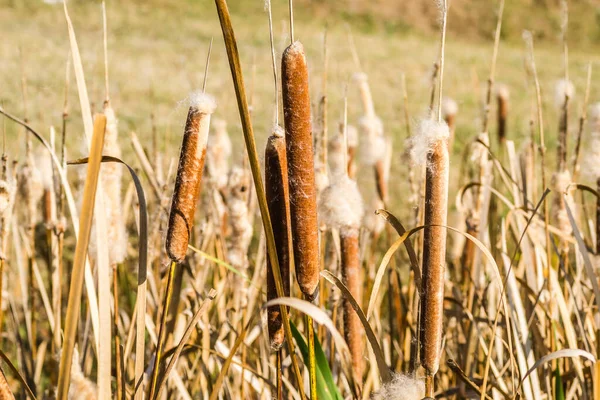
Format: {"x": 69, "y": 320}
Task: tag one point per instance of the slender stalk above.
{"x": 77, "y": 275}
{"x": 162, "y": 330}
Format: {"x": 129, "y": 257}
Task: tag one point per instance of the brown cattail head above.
{"x": 303, "y": 198}
{"x": 434, "y": 245}
{"x": 189, "y": 175}
{"x": 502, "y": 95}
{"x": 278, "y": 200}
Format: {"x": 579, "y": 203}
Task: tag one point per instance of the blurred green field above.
{"x": 157, "y": 52}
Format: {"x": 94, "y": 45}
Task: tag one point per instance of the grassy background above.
{"x": 157, "y": 52}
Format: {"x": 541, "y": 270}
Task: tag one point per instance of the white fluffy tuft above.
{"x": 372, "y": 140}
{"x": 352, "y": 136}
{"x": 449, "y": 107}
{"x": 502, "y": 91}
{"x": 562, "y": 89}
{"x": 202, "y": 102}
{"x": 360, "y": 77}
{"x": 278, "y": 131}
{"x": 402, "y": 387}
{"x": 341, "y": 205}
{"x": 427, "y": 134}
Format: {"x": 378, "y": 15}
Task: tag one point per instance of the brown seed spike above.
{"x": 278, "y": 199}
{"x": 434, "y": 255}
{"x": 303, "y": 198}
{"x": 189, "y": 176}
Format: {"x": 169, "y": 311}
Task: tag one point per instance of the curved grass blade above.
{"x": 17, "y": 374}
{"x": 384, "y": 370}
{"x": 142, "y": 273}
{"x": 564, "y": 353}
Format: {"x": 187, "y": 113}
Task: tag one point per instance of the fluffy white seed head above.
{"x": 372, "y": 140}
{"x": 337, "y": 159}
{"x": 562, "y": 90}
{"x": 340, "y": 205}
{"x": 428, "y": 133}
{"x": 502, "y": 91}
{"x": 449, "y": 107}
{"x": 351, "y": 136}
{"x": 202, "y": 102}
{"x": 401, "y": 387}
{"x": 594, "y": 119}
{"x": 561, "y": 182}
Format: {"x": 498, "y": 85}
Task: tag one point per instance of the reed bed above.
{"x": 395, "y": 257}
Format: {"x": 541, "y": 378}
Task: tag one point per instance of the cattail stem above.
{"x": 312, "y": 361}
{"x": 598, "y": 218}
{"x": 353, "y": 330}
{"x": 162, "y": 330}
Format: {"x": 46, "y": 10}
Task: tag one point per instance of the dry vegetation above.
{"x": 340, "y": 212}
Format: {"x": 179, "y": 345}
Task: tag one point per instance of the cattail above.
{"x": 219, "y": 153}
{"x": 240, "y": 228}
{"x": 449, "y": 111}
{"x": 31, "y": 186}
{"x": 303, "y": 199}
{"x": 278, "y": 199}
{"x": 502, "y": 96}
{"x": 189, "y": 175}
{"x": 401, "y": 387}
{"x": 342, "y": 208}
{"x": 112, "y": 176}
{"x": 430, "y": 146}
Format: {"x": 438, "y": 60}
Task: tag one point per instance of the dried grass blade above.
{"x": 564, "y": 353}
{"x": 77, "y": 276}
{"x": 17, "y": 374}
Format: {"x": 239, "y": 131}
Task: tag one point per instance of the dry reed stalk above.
{"x": 598, "y": 218}
{"x": 433, "y": 140}
{"x": 277, "y": 192}
{"x": 77, "y": 275}
{"x": 352, "y": 144}
{"x": 8, "y": 191}
{"x": 189, "y": 175}
{"x": 502, "y": 97}
{"x": 303, "y": 200}
{"x": 365, "y": 94}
